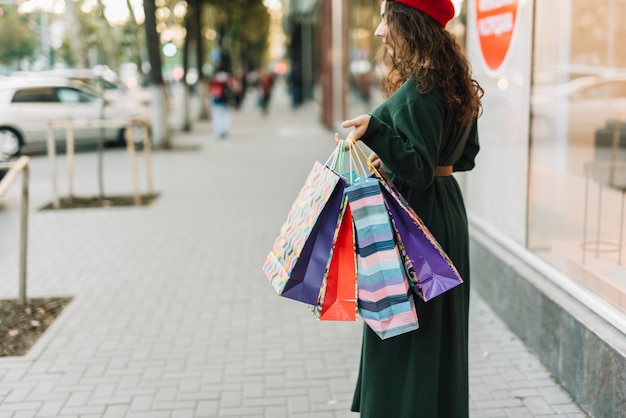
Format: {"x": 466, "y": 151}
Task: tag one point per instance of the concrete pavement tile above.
{"x": 18, "y": 395}
{"x": 537, "y": 405}
{"x": 141, "y": 403}
{"x": 298, "y": 404}
{"x": 488, "y": 413}
{"x": 20, "y": 407}
{"x": 148, "y": 414}
{"x": 316, "y": 414}
{"x": 231, "y": 399}
{"x": 183, "y": 413}
{"x": 115, "y": 411}
{"x": 174, "y": 405}
{"x": 207, "y": 408}
{"x": 275, "y": 412}
{"x": 520, "y": 412}
{"x": 97, "y": 410}
{"x": 252, "y": 411}
{"x": 50, "y": 409}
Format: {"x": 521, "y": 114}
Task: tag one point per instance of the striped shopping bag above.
{"x": 384, "y": 298}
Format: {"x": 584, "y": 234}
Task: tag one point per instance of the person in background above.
{"x": 239, "y": 88}
{"x": 220, "y": 90}
{"x": 265, "y": 85}
{"x": 425, "y": 130}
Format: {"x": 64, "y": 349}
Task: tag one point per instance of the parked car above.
{"x": 102, "y": 79}
{"x": 28, "y": 104}
{"x": 577, "y": 108}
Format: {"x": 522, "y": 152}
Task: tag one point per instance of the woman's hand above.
{"x": 359, "y": 126}
{"x": 376, "y": 162}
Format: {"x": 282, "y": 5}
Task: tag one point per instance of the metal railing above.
{"x": 70, "y": 124}
{"x": 21, "y": 165}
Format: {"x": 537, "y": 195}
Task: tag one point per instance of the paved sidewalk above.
{"x": 172, "y": 316}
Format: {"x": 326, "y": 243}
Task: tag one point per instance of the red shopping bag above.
{"x": 339, "y": 295}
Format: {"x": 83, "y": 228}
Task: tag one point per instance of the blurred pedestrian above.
{"x": 239, "y": 88}
{"x": 265, "y": 85}
{"x": 221, "y": 92}
{"x": 425, "y": 130}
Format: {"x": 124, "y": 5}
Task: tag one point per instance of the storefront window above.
{"x": 577, "y": 179}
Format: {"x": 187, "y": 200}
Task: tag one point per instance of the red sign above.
{"x": 495, "y": 21}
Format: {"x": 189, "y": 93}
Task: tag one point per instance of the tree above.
{"x": 243, "y": 28}
{"x": 160, "y": 129}
{"x": 20, "y": 39}
{"x": 191, "y": 41}
{"x": 75, "y": 40}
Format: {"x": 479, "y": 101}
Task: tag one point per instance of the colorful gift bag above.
{"x": 338, "y": 299}
{"x": 384, "y": 297}
{"x": 429, "y": 267}
{"x": 297, "y": 263}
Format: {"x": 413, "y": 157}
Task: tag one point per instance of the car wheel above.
{"x": 10, "y": 142}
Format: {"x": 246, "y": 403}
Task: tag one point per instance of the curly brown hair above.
{"x": 421, "y": 45}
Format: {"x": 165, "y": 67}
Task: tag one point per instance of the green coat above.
{"x": 423, "y": 373}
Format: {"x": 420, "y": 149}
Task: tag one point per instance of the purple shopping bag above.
{"x": 429, "y": 267}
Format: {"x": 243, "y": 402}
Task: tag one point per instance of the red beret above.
{"x": 440, "y": 10}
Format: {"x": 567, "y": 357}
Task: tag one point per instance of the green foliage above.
{"x": 243, "y": 29}
{"x": 18, "y": 39}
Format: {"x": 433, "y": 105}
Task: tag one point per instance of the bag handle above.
{"x": 362, "y": 155}
{"x": 337, "y": 159}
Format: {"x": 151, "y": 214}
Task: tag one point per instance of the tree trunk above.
{"x": 137, "y": 38}
{"x": 202, "y": 82}
{"x": 110, "y": 48}
{"x": 159, "y": 106}
{"x": 76, "y": 42}
{"x": 189, "y": 39}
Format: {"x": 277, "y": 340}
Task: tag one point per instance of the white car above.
{"x": 28, "y": 104}
{"x": 574, "y": 111}
{"x": 103, "y": 80}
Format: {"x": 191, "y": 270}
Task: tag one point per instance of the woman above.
{"x": 425, "y": 130}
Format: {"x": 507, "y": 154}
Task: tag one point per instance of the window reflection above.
{"x": 578, "y": 143}
{"x": 363, "y": 47}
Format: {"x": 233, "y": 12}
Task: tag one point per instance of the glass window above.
{"x": 35, "y": 95}
{"x": 68, "y": 95}
{"x": 577, "y": 183}
{"x": 72, "y": 95}
{"x": 363, "y": 46}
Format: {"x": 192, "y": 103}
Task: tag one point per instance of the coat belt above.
{"x": 443, "y": 170}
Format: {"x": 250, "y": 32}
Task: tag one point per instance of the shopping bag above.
{"x": 306, "y": 278}
{"x": 384, "y": 297}
{"x": 338, "y": 299}
{"x": 299, "y": 257}
{"x": 429, "y": 267}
